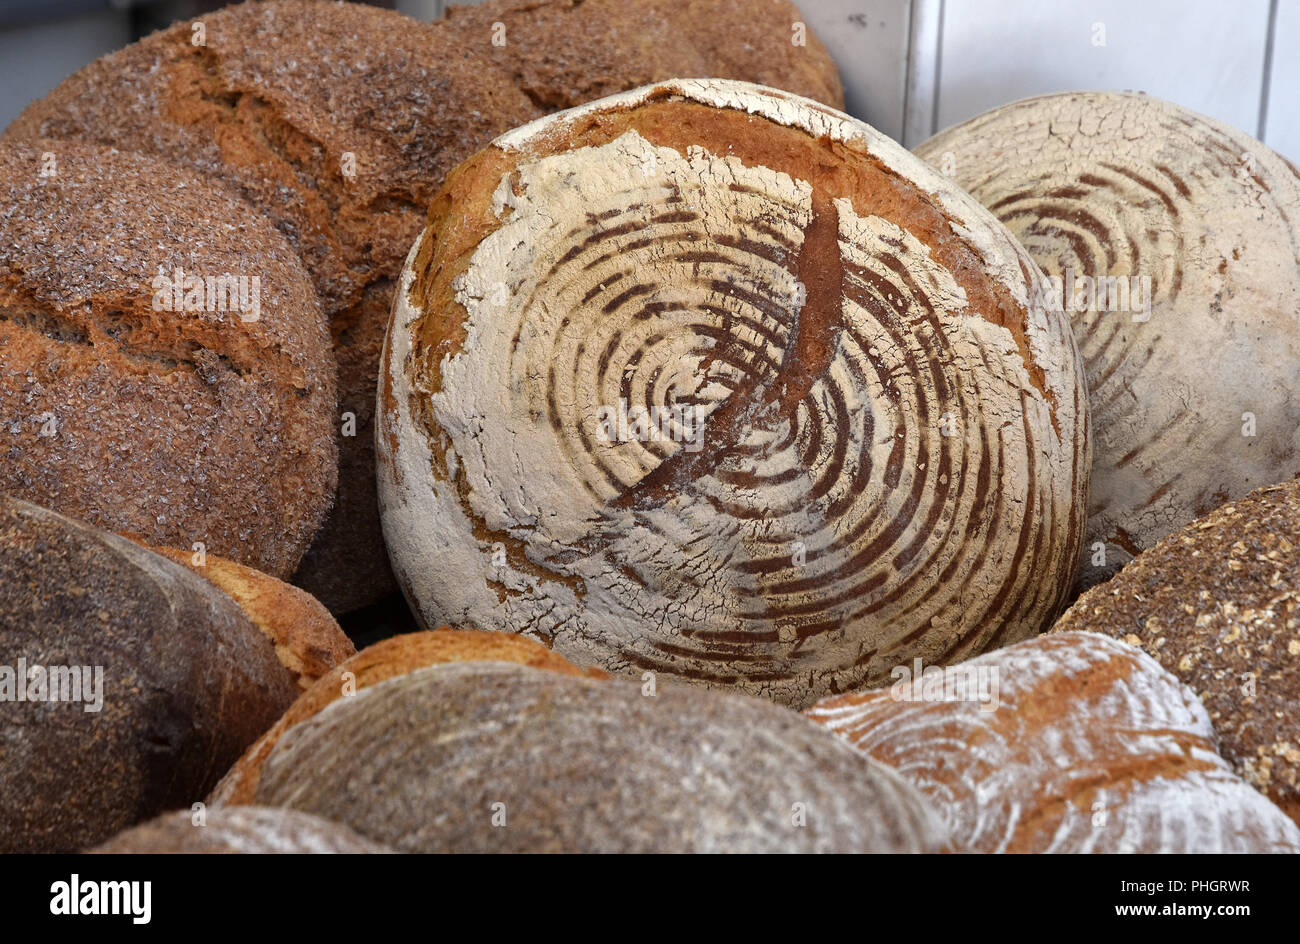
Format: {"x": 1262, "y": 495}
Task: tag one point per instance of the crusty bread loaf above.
{"x": 888, "y": 450}
{"x": 254, "y": 830}
{"x": 491, "y": 757}
{"x": 1071, "y": 742}
{"x": 182, "y": 680}
{"x": 563, "y": 53}
{"x": 308, "y": 640}
{"x": 1218, "y": 605}
{"x": 338, "y": 121}
{"x": 187, "y": 427}
{"x": 1196, "y": 398}
{"x": 374, "y": 664}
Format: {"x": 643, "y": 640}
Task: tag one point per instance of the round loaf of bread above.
{"x": 338, "y": 122}
{"x": 563, "y": 53}
{"x": 709, "y": 380}
{"x": 164, "y": 368}
{"x": 1218, "y": 605}
{"x": 374, "y": 664}
{"x": 1071, "y": 742}
{"x": 129, "y": 684}
{"x": 1175, "y": 244}
{"x": 490, "y": 757}
{"x": 252, "y": 830}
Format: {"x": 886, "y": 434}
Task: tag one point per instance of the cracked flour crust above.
{"x": 894, "y": 448}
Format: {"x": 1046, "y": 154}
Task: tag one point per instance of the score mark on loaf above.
{"x": 863, "y": 446}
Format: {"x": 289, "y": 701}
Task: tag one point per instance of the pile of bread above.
{"x": 742, "y": 467}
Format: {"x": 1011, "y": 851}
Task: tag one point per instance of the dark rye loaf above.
{"x": 490, "y": 757}
{"x": 187, "y": 682}
{"x": 181, "y": 427}
{"x": 1218, "y": 605}
{"x": 282, "y": 92}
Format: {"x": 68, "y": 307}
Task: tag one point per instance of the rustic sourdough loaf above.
{"x": 492, "y": 757}
{"x": 1071, "y": 742}
{"x": 1218, "y": 605}
{"x": 173, "y": 682}
{"x": 864, "y": 447}
{"x": 1196, "y": 399}
{"x": 253, "y": 830}
{"x": 374, "y": 664}
{"x": 338, "y": 121}
{"x": 210, "y": 424}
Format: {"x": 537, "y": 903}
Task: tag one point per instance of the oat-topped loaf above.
{"x": 164, "y": 367}
{"x": 338, "y": 121}
{"x": 1174, "y": 245}
{"x": 711, "y": 380}
{"x": 1218, "y": 605}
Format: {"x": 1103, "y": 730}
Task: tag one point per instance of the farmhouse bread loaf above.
{"x": 308, "y": 640}
{"x": 339, "y": 120}
{"x": 491, "y": 757}
{"x": 129, "y": 684}
{"x": 164, "y": 369}
{"x": 374, "y": 664}
{"x": 1218, "y": 605}
{"x": 253, "y": 830}
{"x": 1071, "y": 742}
{"x": 1192, "y": 229}
{"x": 861, "y": 445}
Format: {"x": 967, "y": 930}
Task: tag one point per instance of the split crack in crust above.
{"x": 698, "y": 246}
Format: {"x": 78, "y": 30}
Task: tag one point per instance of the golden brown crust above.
{"x": 1218, "y": 605}
{"x": 308, "y": 640}
{"x": 187, "y": 682}
{"x": 382, "y": 661}
{"x": 183, "y": 426}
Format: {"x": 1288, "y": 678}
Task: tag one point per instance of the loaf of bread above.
{"x": 374, "y": 664}
{"x": 308, "y": 640}
{"x": 492, "y": 757}
{"x": 338, "y": 122}
{"x": 129, "y": 684}
{"x": 164, "y": 367}
{"x": 1218, "y": 605}
{"x": 1071, "y": 742}
{"x": 1174, "y": 240}
{"x": 710, "y": 380}
{"x": 251, "y": 830}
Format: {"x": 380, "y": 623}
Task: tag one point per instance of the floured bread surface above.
{"x": 1069, "y": 743}
{"x": 247, "y": 830}
{"x": 490, "y": 757}
{"x": 1194, "y": 400}
{"x": 710, "y": 380}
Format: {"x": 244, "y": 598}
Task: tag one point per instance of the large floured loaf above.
{"x": 387, "y": 659}
{"x": 1072, "y": 742}
{"x": 491, "y": 757}
{"x": 128, "y": 684}
{"x": 710, "y": 380}
{"x": 164, "y": 368}
{"x": 247, "y": 830}
{"x": 1186, "y": 233}
{"x": 338, "y": 122}
{"x": 1218, "y": 605}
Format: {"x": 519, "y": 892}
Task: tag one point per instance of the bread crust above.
{"x": 247, "y": 830}
{"x": 581, "y": 545}
{"x": 193, "y": 426}
{"x": 1218, "y": 605}
{"x": 187, "y": 682}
